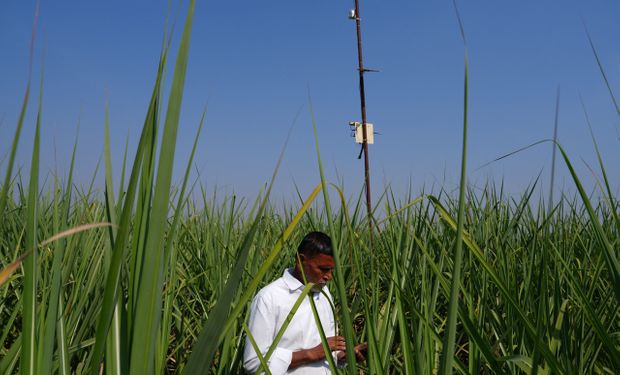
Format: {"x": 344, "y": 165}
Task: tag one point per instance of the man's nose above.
{"x": 329, "y": 275}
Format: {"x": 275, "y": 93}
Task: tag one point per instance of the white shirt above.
{"x": 269, "y": 310}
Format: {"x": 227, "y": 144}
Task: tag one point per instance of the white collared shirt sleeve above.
{"x": 263, "y": 330}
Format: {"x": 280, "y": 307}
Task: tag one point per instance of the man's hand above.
{"x": 335, "y": 343}
{"x": 360, "y": 352}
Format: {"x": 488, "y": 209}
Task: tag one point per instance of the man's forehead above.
{"x": 322, "y": 260}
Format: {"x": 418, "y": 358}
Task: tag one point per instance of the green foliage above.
{"x": 517, "y": 258}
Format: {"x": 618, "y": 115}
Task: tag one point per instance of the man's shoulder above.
{"x": 271, "y": 290}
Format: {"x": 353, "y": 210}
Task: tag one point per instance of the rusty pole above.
{"x": 363, "y": 107}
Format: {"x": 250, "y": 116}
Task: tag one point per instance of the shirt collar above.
{"x": 291, "y": 282}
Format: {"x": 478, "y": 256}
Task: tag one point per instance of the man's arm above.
{"x": 301, "y": 357}
{"x": 262, "y": 328}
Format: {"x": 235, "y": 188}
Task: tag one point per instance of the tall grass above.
{"x": 162, "y": 281}
{"x": 518, "y": 258}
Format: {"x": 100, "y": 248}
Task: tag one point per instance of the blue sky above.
{"x": 255, "y": 64}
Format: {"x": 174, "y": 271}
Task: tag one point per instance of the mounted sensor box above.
{"x": 359, "y": 134}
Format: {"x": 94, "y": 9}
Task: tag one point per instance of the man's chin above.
{"x": 318, "y": 287}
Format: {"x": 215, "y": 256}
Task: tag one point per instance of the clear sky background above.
{"x": 256, "y": 63}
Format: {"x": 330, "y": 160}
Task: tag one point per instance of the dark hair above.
{"x": 315, "y": 243}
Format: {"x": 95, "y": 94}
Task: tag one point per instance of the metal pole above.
{"x": 363, "y": 107}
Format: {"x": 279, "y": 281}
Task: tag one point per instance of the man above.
{"x": 300, "y": 350}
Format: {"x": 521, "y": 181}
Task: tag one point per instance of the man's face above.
{"x": 318, "y": 269}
